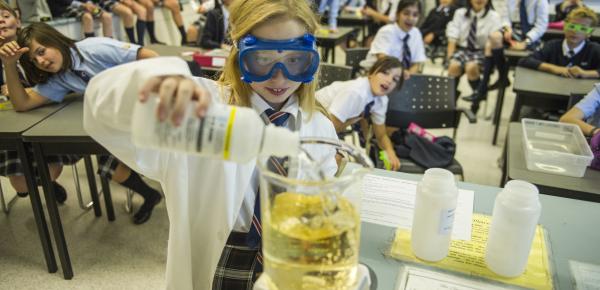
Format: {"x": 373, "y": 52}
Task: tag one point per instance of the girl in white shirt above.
{"x": 467, "y": 35}
{"x": 401, "y": 39}
{"x": 211, "y": 202}
{"x": 348, "y": 102}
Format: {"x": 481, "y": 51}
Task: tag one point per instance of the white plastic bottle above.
{"x": 516, "y": 213}
{"x": 433, "y": 217}
{"x": 227, "y": 132}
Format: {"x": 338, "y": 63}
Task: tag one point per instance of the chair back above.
{"x": 426, "y": 100}
{"x": 353, "y": 58}
{"x": 329, "y": 73}
{"x": 573, "y": 100}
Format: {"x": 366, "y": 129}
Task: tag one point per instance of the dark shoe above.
{"x": 471, "y": 98}
{"x": 157, "y": 42}
{"x": 59, "y": 192}
{"x": 504, "y": 83}
{"x": 22, "y": 194}
{"x": 145, "y": 211}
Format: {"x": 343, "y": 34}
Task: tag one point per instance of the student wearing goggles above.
{"x": 569, "y": 26}
{"x": 297, "y": 58}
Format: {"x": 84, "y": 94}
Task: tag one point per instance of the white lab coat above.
{"x": 203, "y": 196}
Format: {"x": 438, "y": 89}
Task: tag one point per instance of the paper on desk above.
{"x": 390, "y": 202}
{"x": 586, "y": 276}
{"x": 413, "y": 278}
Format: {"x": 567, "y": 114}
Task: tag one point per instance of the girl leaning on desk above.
{"x": 57, "y": 65}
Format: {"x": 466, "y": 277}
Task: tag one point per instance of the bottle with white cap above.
{"x": 516, "y": 213}
{"x": 227, "y": 132}
{"x": 435, "y": 203}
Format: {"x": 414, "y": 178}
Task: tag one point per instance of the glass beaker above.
{"x": 311, "y": 219}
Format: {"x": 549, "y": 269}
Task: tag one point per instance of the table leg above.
{"x": 514, "y": 116}
{"x": 498, "y": 113}
{"x": 59, "y": 236}
{"x": 110, "y": 211}
{"x": 38, "y": 210}
{"x": 333, "y": 54}
{"x": 89, "y": 171}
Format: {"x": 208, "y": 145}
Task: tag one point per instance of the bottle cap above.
{"x": 280, "y": 142}
{"x": 439, "y": 177}
{"x": 519, "y": 192}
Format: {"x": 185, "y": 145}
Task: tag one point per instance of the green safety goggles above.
{"x": 578, "y": 28}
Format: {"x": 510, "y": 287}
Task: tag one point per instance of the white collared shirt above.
{"x": 389, "y": 40}
{"x": 225, "y": 18}
{"x": 348, "y": 99}
{"x": 458, "y": 29}
{"x": 537, "y": 16}
{"x": 576, "y": 50}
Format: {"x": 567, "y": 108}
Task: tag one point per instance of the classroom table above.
{"x": 545, "y": 90}
{"x": 63, "y": 133}
{"x": 558, "y": 33}
{"x": 328, "y": 40}
{"x": 354, "y": 20}
{"x": 13, "y": 125}
{"x": 571, "y": 225}
{"x": 584, "y": 188}
{"x": 186, "y": 53}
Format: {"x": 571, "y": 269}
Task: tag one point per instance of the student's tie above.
{"x": 85, "y": 77}
{"x": 367, "y": 112}
{"x": 406, "y": 57}
{"x": 525, "y": 27}
{"x": 472, "y": 38}
{"x": 570, "y": 56}
{"x": 275, "y": 165}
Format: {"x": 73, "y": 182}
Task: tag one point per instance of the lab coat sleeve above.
{"x": 108, "y": 106}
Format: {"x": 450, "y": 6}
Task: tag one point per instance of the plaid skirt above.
{"x": 237, "y": 266}
{"x": 10, "y": 164}
{"x": 463, "y": 56}
{"x": 73, "y": 12}
{"x": 107, "y": 5}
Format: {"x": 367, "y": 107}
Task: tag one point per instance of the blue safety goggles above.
{"x": 297, "y": 58}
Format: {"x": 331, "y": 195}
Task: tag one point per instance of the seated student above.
{"x": 467, "y": 35}
{"x": 142, "y": 17}
{"x": 574, "y": 56}
{"x": 563, "y": 8}
{"x": 433, "y": 28}
{"x": 171, "y": 5}
{"x": 353, "y": 6}
{"x": 10, "y": 163}
{"x": 124, "y": 12}
{"x": 348, "y": 102}
{"x": 85, "y": 11}
{"x": 382, "y": 12}
{"x": 58, "y": 65}
{"x": 402, "y": 40}
{"x": 214, "y": 34}
{"x": 586, "y": 113}
{"x": 333, "y": 9}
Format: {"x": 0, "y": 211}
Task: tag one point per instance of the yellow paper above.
{"x": 468, "y": 256}
{"x": 5, "y": 106}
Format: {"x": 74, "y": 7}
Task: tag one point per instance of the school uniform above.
{"x": 590, "y": 106}
{"x": 460, "y": 28}
{"x": 66, "y": 8}
{"x": 390, "y": 40}
{"x": 333, "y": 9}
{"x": 106, "y": 5}
{"x": 215, "y": 28}
{"x": 536, "y": 22}
{"x": 353, "y": 99}
{"x": 385, "y": 7}
{"x": 207, "y": 199}
{"x": 436, "y": 22}
{"x": 556, "y": 52}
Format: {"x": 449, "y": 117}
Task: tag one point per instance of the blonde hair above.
{"x": 583, "y": 12}
{"x": 246, "y": 15}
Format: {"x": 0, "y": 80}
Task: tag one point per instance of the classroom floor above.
{"x": 121, "y": 255}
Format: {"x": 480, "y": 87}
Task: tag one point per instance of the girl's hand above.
{"x": 4, "y": 90}
{"x": 10, "y": 52}
{"x": 175, "y": 93}
{"x": 576, "y": 71}
{"x": 394, "y": 161}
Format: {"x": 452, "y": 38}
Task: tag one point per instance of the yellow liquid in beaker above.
{"x": 305, "y": 248}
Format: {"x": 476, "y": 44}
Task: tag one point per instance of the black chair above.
{"x": 428, "y": 101}
{"x": 353, "y": 58}
{"x": 573, "y": 100}
{"x": 329, "y": 73}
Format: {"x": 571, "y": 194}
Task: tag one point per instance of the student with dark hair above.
{"x": 57, "y": 65}
{"x": 214, "y": 34}
{"x": 574, "y": 56}
{"x": 382, "y": 12}
{"x": 349, "y": 102}
{"x": 563, "y": 8}
{"x": 467, "y": 36}
{"x": 433, "y": 28}
{"x": 401, "y": 39}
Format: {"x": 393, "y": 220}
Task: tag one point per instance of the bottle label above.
{"x": 446, "y": 221}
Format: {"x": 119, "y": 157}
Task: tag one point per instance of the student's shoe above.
{"x": 59, "y": 192}
{"x": 471, "y": 98}
{"x": 22, "y": 194}
{"x": 157, "y": 42}
{"x": 145, "y": 211}
{"x": 499, "y": 83}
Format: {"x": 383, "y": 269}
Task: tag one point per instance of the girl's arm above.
{"x": 144, "y": 53}
{"x": 451, "y": 48}
{"x": 386, "y": 144}
{"x": 575, "y": 116}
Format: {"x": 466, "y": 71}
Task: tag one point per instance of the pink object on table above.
{"x": 556, "y": 25}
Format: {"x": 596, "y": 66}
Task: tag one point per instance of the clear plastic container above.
{"x": 557, "y": 148}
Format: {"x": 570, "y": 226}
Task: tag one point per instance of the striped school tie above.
{"x": 525, "y": 26}
{"x": 472, "y": 38}
{"x": 275, "y": 165}
{"x": 570, "y": 56}
{"x": 367, "y": 112}
{"x": 406, "y": 57}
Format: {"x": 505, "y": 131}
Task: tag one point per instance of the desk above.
{"x": 557, "y": 33}
{"x": 171, "y": 50}
{"x": 62, "y": 133}
{"x": 584, "y": 188}
{"x": 545, "y": 90}
{"x": 330, "y": 39}
{"x": 568, "y": 222}
{"x": 352, "y": 19}
{"x": 13, "y": 125}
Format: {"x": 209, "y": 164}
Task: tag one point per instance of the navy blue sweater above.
{"x": 588, "y": 58}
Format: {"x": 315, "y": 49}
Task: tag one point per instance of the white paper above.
{"x": 586, "y": 276}
{"x": 411, "y": 278}
{"x": 390, "y": 202}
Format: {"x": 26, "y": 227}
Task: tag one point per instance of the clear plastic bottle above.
{"x": 516, "y": 213}
{"x": 435, "y": 203}
{"x": 227, "y": 132}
